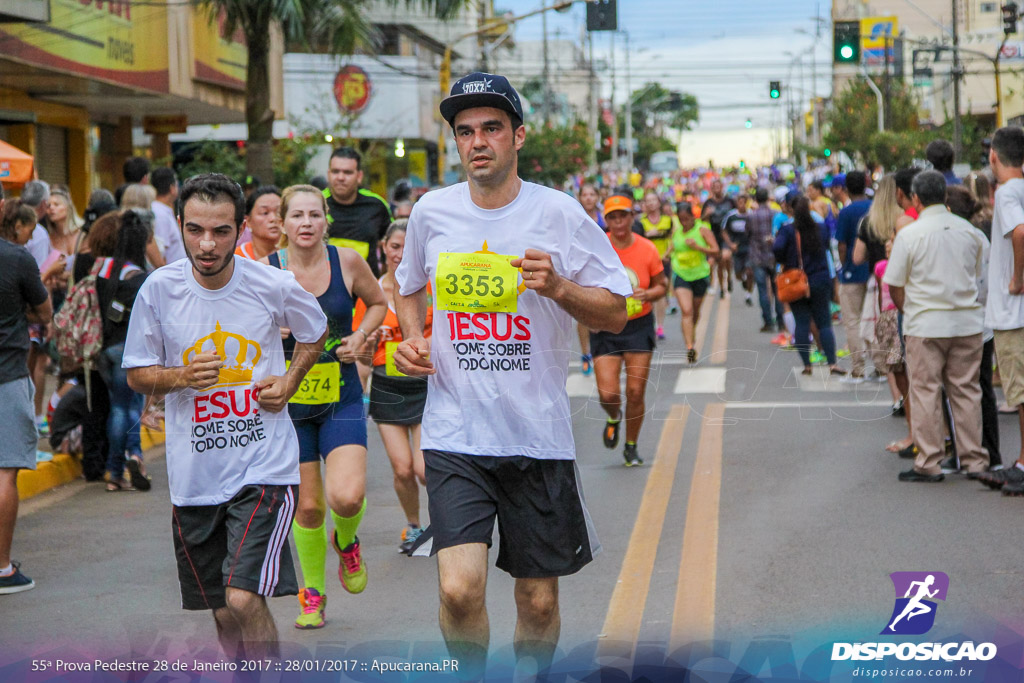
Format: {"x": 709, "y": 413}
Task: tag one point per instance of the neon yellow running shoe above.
{"x": 351, "y": 567}
{"x": 313, "y": 607}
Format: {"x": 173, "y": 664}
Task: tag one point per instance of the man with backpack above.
{"x": 23, "y": 300}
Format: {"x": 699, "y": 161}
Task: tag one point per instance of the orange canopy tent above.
{"x": 15, "y": 165}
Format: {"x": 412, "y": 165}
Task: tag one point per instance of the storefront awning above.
{"x": 15, "y": 165}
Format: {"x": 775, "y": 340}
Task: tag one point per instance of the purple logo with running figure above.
{"x": 916, "y": 593}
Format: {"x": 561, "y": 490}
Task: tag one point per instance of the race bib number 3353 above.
{"x": 476, "y": 283}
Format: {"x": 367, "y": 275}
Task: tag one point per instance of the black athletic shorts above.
{"x": 740, "y": 261}
{"x": 638, "y": 335}
{"x": 242, "y": 543}
{"x": 544, "y": 528}
{"x": 698, "y": 287}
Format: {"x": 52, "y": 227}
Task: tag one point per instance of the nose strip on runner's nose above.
{"x": 207, "y": 246}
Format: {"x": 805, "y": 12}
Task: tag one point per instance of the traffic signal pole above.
{"x": 957, "y": 131}
{"x": 878, "y": 97}
{"x": 629, "y": 112}
{"x": 1010, "y": 16}
{"x": 1000, "y": 121}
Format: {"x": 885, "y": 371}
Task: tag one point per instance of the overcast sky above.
{"x": 725, "y": 52}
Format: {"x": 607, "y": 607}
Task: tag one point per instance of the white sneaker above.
{"x": 852, "y": 379}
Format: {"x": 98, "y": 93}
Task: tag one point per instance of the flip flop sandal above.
{"x": 138, "y": 479}
{"x": 116, "y": 486}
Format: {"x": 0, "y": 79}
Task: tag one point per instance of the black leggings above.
{"x": 817, "y": 307}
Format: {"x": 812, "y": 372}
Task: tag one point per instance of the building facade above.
{"x": 925, "y": 56}
{"x": 75, "y": 83}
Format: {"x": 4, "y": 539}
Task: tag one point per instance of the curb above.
{"x": 66, "y": 468}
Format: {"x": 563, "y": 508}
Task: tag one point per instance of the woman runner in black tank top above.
{"x": 328, "y": 410}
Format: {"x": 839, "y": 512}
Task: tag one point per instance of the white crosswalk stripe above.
{"x": 701, "y": 381}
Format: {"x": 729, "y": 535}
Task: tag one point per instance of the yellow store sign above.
{"x": 219, "y": 58}
{"x": 121, "y": 42}
{"x": 876, "y": 38}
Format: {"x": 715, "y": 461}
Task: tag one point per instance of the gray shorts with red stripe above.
{"x": 242, "y": 543}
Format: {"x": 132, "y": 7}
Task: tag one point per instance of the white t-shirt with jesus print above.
{"x": 219, "y": 439}
{"x": 500, "y": 382}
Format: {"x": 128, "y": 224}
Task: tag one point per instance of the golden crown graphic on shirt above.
{"x": 240, "y": 355}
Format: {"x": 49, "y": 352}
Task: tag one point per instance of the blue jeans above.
{"x": 767, "y": 294}
{"x": 817, "y": 308}
{"x": 125, "y": 415}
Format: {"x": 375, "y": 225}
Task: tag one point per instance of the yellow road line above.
{"x": 720, "y": 344}
{"x": 694, "y": 616}
{"x": 707, "y": 308}
{"x": 626, "y": 608}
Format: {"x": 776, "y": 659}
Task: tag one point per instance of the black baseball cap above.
{"x": 480, "y": 89}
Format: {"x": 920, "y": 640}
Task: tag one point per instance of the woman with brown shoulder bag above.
{"x": 800, "y": 245}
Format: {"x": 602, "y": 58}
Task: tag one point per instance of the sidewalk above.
{"x": 66, "y": 468}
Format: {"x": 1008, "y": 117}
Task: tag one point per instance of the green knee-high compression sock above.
{"x": 346, "y": 527}
{"x": 311, "y": 547}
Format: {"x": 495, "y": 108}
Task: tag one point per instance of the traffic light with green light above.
{"x": 846, "y": 42}
{"x": 775, "y": 90}
{"x": 827, "y": 152}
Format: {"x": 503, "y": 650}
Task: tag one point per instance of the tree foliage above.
{"x": 338, "y": 26}
{"x": 656, "y": 108}
{"x": 289, "y": 159}
{"x": 852, "y": 126}
{"x": 552, "y": 154}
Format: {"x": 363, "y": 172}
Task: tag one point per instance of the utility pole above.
{"x": 790, "y": 115}
{"x": 481, "y": 42}
{"x": 886, "y": 84}
{"x": 803, "y": 124}
{"x": 629, "y": 113}
{"x": 957, "y": 132}
{"x": 1000, "y": 121}
{"x": 547, "y": 84}
{"x": 595, "y": 134}
{"x": 615, "y": 114}
{"x": 814, "y": 73}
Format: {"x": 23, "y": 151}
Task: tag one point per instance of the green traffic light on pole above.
{"x": 774, "y": 90}
{"x": 846, "y": 42}
{"x": 827, "y": 152}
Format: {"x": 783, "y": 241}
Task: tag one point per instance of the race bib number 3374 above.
{"x": 476, "y": 283}
{"x": 322, "y": 384}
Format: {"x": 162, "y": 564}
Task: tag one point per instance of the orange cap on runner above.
{"x": 618, "y": 203}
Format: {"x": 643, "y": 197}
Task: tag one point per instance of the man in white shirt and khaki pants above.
{"x": 932, "y": 275}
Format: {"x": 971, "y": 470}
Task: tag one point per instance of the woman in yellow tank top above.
{"x": 658, "y": 228}
{"x": 692, "y": 244}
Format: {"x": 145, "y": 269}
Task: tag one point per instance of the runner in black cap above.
{"x": 511, "y": 263}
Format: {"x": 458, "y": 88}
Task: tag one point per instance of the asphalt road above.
{"x": 763, "y": 527}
